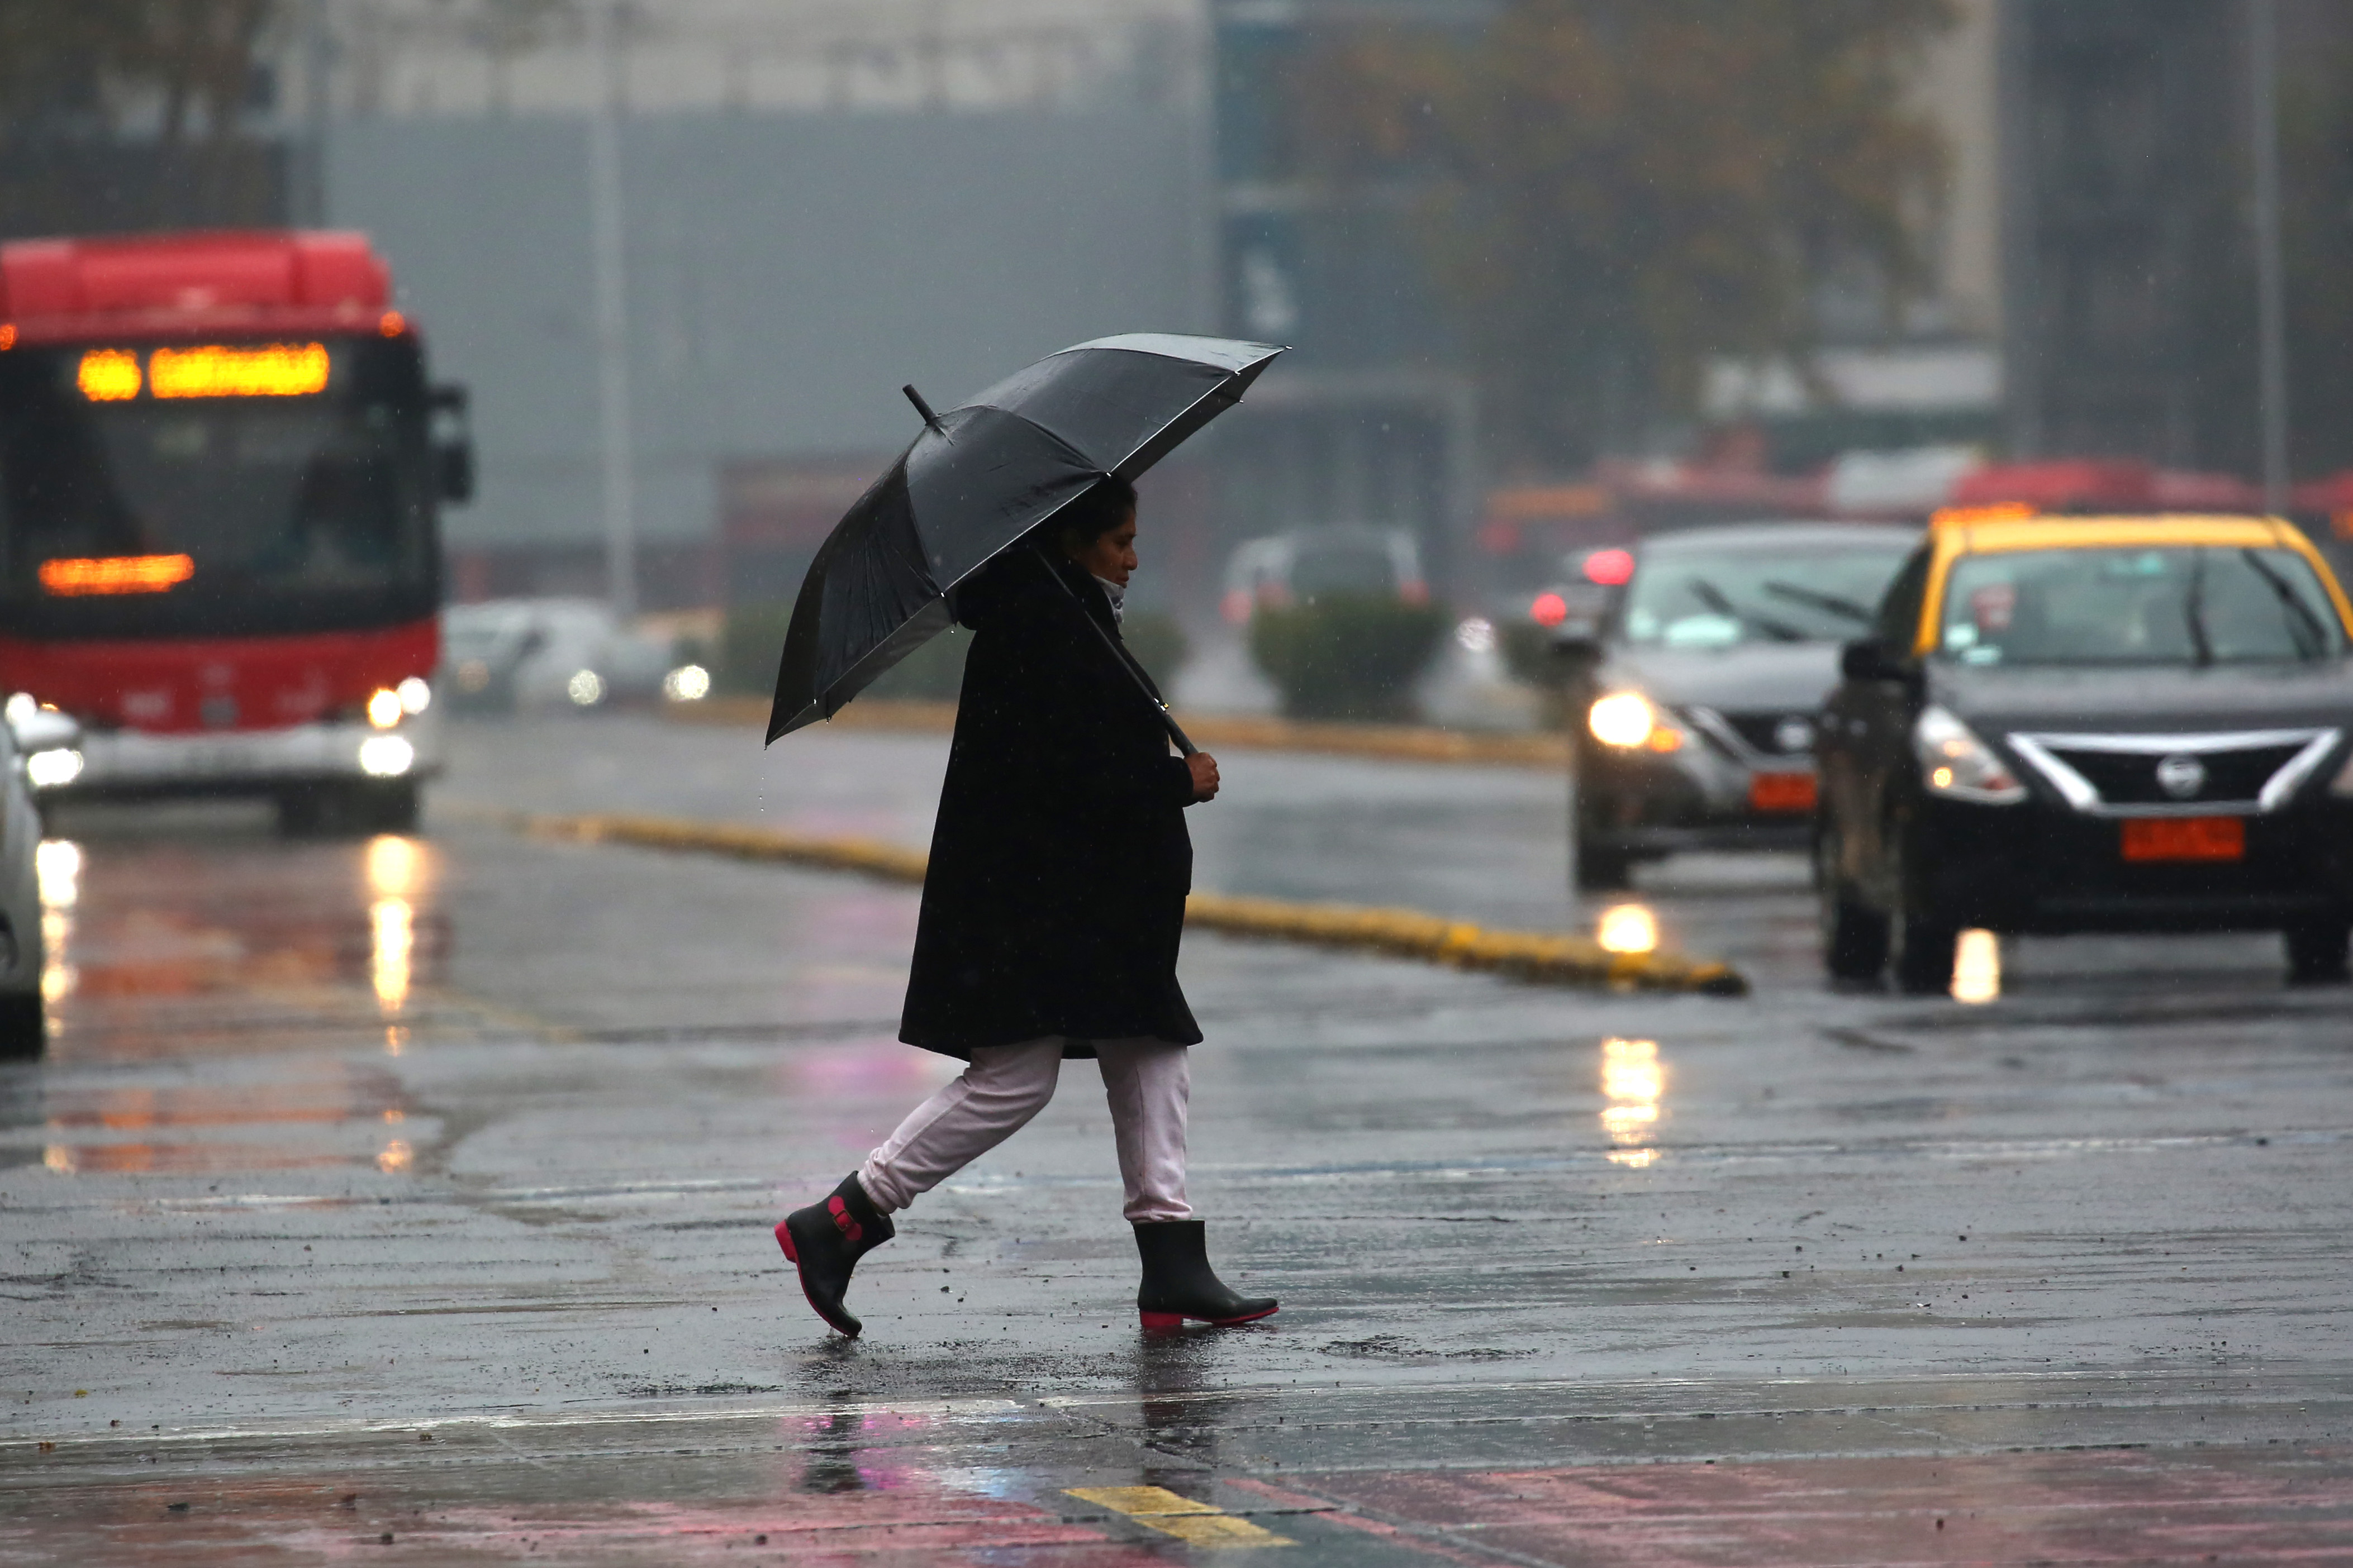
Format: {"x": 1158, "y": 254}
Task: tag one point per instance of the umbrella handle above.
{"x": 1126, "y": 661}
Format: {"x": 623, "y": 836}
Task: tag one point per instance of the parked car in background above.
{"x": 1314, "y": 562}
{"x": 2071, "y": 725}
{"x": 537, "y": 655}
{"x": 1696, "y": 718}
{"x": 36, "y": 743}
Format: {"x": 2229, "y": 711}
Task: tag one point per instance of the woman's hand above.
{"x": 1205, "y": 776}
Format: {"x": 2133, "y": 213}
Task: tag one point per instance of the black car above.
{"x": 1699, "y": 706}
{"x": 2092, "y": 725}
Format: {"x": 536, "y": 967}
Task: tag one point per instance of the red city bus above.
{"x": 221, "y": 477}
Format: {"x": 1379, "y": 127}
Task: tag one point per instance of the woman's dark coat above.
{"x": 1060, "y": 864}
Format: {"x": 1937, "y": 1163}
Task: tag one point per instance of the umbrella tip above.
{"x": 922, "y": 407}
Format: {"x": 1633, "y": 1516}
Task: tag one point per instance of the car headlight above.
{"x": 416, "y": 694}
{"x": 687, "y": 683}
{"x": 54, "y": 768}
{"x": 587, "y": 689}
{"x": 384, "y": 708}
{"x": 1630, "y": 721}
{"x": 387, "y": 756}
{"x": 1958, "y": 766}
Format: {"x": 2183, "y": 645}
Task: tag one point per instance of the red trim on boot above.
{"x": 785, "y": 1240}
{"x": 1161, "y": 1322}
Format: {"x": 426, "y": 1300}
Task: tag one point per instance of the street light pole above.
{"x": 2271, "y": 284}
{"x": 614, "y": 426}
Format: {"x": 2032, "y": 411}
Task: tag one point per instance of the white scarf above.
{"x": 1117, "y": 594}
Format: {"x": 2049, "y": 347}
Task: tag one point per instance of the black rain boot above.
{"x": 826, "y": 1240}
{"x": 1178, "y": 1282}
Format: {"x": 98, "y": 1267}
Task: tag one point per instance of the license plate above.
{"x": 1781, "y": 792}
{"x": 2185, "y": 838}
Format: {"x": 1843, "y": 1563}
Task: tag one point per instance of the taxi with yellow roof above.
{"x": 2091, "y": 724}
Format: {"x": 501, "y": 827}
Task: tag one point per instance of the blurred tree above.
{"x": 133, "y": 113}
{"x": 1630, "y": 188}
{"x": 2317, "y": 212}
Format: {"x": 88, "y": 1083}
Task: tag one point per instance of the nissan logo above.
{"x": 2181, "y": 776}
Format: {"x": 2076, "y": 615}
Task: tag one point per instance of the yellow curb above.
{"x": 1227, "y": 732}
{"x": 1543, "y": 957}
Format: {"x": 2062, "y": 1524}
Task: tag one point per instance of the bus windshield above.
{"x": 187, "y": 497}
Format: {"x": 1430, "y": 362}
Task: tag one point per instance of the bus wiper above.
{"x": 1708, "y": 594}
{"x": 1821, "y": 600}
{"x": 2193, "y": 608}
{"x": 2305, "y": 622}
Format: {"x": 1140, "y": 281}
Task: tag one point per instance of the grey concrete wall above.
{"x": 787, "y": 274}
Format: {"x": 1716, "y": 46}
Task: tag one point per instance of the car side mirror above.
{"x": 453, "y": 443}
{"x": 1871, "y": 659}
{"x": 453, "y": 471}
{"x": 1581, "y": 646}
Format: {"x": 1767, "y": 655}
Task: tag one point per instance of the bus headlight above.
{"x": 384, "y": 708}
{"x": 416, "y": 695}
{"x": 53, "y": 769}
{"x": 1630, "y": 721}
{"x": 1954, "y": 763}
{"x": 387, "y": 756}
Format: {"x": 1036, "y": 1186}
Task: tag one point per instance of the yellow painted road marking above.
{"x": 1541, "y": 956}
{"x": 1196, "y": 1523}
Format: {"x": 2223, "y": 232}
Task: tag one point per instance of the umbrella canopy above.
{"x": 977, "y": 478}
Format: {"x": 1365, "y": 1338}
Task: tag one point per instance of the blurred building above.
{"x": 2129, "y": 249}
{"x": 2128, "y": 217}
{"x": 1369, "y": 420}
{"x": 819, "y": 200}
{"x": 1925, "y": 370}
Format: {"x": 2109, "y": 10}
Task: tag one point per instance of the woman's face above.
{"x": 1111, "y": 556}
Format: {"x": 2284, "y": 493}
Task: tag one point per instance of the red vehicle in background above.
{"x": 220, "y": 478}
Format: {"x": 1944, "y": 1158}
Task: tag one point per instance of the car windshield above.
{"x": 1789, "y": 593}
{"x": 150, "y": 509}
{"x": 2182, "y": 605}
{"x": 1339, "y": 567}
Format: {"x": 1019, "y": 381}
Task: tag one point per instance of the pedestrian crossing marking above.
{"x": 1196, "y": 1523}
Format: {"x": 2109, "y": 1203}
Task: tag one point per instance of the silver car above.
{"x": 32, "y": 738}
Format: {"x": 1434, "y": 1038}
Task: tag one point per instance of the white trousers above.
{"x": 1147, "y": 1082}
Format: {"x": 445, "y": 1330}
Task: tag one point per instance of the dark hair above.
{"x": 1101, "y": 506}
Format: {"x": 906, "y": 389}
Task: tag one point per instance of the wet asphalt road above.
{"x": 421, "y": 1189}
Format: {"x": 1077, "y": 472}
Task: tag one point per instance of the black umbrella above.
{"x": 976, "y": 480}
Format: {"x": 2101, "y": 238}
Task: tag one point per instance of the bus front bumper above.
{"x": 132, "y": 765}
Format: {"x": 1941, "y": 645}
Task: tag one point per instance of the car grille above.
{"x": 1764, "y": 732}
{"x": 2125, "y": 779}
{"x": 2153, "y": 774}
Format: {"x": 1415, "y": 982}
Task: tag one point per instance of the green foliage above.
{"x": 1346, "y": 656}
{"x": 1624, "y": 189}
{"x": 1157, "y": 642}
{"x": 61, "y": 61}
{"x": 753, "y": 640}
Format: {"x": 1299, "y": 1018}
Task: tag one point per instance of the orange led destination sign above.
{"x": 206, "y": 370}
{"x": 108, "y": 375}
{"x": 115, "y": 574}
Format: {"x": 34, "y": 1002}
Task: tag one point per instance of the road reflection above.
{"x": 173, "y": 942}
{"x": 1977, "y": 967}
{"x": 1634, "y": 1082}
